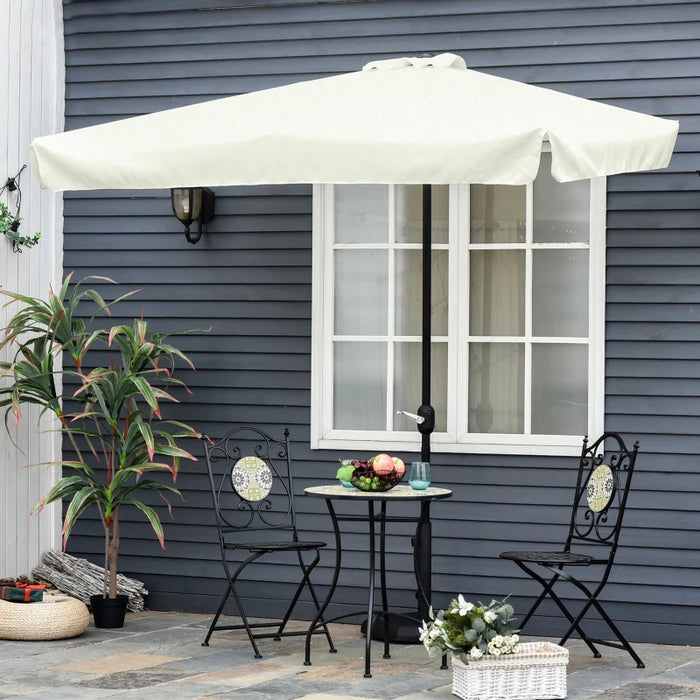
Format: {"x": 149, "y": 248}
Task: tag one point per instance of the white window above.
{"x": 518, "y": 278}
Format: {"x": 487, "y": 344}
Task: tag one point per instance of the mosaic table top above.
{"x": 400, "y": 492}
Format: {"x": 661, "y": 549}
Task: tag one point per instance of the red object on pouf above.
{"x": 22, "y": 593}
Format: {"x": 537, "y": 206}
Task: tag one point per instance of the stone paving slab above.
{"x": 158, "y": 656}
{"x": 646, "y": 691}
{"x": 117, "y": 663}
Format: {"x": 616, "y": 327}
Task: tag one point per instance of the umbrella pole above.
{"x": 423, "y": 538}
{"x": 402, "y": 627}
{"x": 426, "y": 411}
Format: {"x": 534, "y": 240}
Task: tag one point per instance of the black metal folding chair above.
{"x": 253, "y": 490}
{"x": 604, "y": 476}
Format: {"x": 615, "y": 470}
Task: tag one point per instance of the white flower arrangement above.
{"x": 471, "y": 631}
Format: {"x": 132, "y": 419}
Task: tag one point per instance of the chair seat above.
{"x": 282, "y": 546}
{"x": 535, "y": 557}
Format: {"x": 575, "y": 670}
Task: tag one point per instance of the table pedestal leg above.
{"x": 370, "y": 596}
{"x": 403, "y": 627}
{"x": 422, "y": 560}
{"x": 385, "y": 602}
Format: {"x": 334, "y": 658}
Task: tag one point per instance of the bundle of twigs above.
{"x": 81, "y": 579}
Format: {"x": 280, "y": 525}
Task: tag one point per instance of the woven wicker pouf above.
{"x": 56, "y": 617}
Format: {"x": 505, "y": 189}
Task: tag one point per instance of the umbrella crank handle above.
{"x": 425, "y": 418}
{"x": 415, "y": 418}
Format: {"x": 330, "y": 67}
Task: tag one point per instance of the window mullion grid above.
{"x": 458, "y": 323}
{"x": 328, "y": 331}
{"x": 391, "y": 311}
{"x": 529, "y": 236}
{"x": 458, "y": 371}
{"x": 596, "y": 307}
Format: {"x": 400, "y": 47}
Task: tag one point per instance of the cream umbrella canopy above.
{"x": 405, "y": 120}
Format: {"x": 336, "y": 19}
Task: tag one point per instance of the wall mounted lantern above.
{"x": 192, "y": 204}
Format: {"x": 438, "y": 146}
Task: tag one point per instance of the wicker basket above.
{"x": 538, "y": 670}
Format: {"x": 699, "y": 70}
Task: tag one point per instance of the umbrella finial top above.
{"x": 443, "y": 60}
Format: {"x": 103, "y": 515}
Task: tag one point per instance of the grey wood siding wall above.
{"x": 250, "y": 280}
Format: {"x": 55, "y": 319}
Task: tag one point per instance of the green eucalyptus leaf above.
{"x": 470, "y": 635}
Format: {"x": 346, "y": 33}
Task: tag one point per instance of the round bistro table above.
{"x": 373, "y": 516}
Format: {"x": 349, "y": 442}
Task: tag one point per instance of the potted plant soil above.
{"x": 110, "y": 411}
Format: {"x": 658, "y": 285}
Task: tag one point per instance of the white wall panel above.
{"x": 31, "y": 104}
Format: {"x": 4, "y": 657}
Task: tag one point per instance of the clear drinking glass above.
{"x": 419, "y": 476}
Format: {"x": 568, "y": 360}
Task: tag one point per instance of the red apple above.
{"x": 383, "y": 464}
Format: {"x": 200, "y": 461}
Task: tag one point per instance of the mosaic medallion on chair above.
{"x": 251, "y": 478}
{"x": 600, "y": 488}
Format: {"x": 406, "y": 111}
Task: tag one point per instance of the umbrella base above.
{"x": 402, "y": 627}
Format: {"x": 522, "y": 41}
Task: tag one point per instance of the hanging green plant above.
{"x": 9, "y": 222}
{"x": 9, "y": 225}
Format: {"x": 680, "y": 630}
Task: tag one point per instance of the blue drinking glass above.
{"x": 419, "y": 476}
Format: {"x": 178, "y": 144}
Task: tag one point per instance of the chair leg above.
{"x": 224, "y": 598}
{"x": 543, "y": 595}
{"x": 590, "y": 600}
{"x": 593, "y": 601}
{"x": 239, "y": 603}
{"x": 549, "y": 591}
{"x": 334, "y": 582}
{"x": 305, "y": 581}
{"x": 625, "y": 644}
{"x": 314, "y": 597}
{"x": 246, "y": 624}
{"x": 295, "y": 598}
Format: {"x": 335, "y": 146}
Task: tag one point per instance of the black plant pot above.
{"x": 109, "y": 612}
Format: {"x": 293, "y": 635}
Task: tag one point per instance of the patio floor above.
{"x": 159, "y": 655}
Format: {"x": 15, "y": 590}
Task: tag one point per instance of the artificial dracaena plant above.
{"x": 112, "y": 416}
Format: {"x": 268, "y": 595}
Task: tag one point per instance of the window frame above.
{"x": 455, "y": 439}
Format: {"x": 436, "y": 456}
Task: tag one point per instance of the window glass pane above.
{"x": 560, "y": 293}
{"x": 560, "y": 209}
{"x": 496, "y": 387}
{"x": 361, "y": 292}
{"x": 361, "y": 213}
{"x": 497, "y": 213}
{"x": 408, "y": 377}
{"x": 359, "y": 386}
{"x": 409, "y": 292}
{"x": 409, "y": 213}
{"x": 559, "y": 389}
{"x": 497, "y": 292}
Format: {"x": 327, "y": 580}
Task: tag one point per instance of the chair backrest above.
{"x": 604, "y": 477}
{"x": 251, "y": 481}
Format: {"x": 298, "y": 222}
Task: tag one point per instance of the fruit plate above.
{"x": 366, "y": 479}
